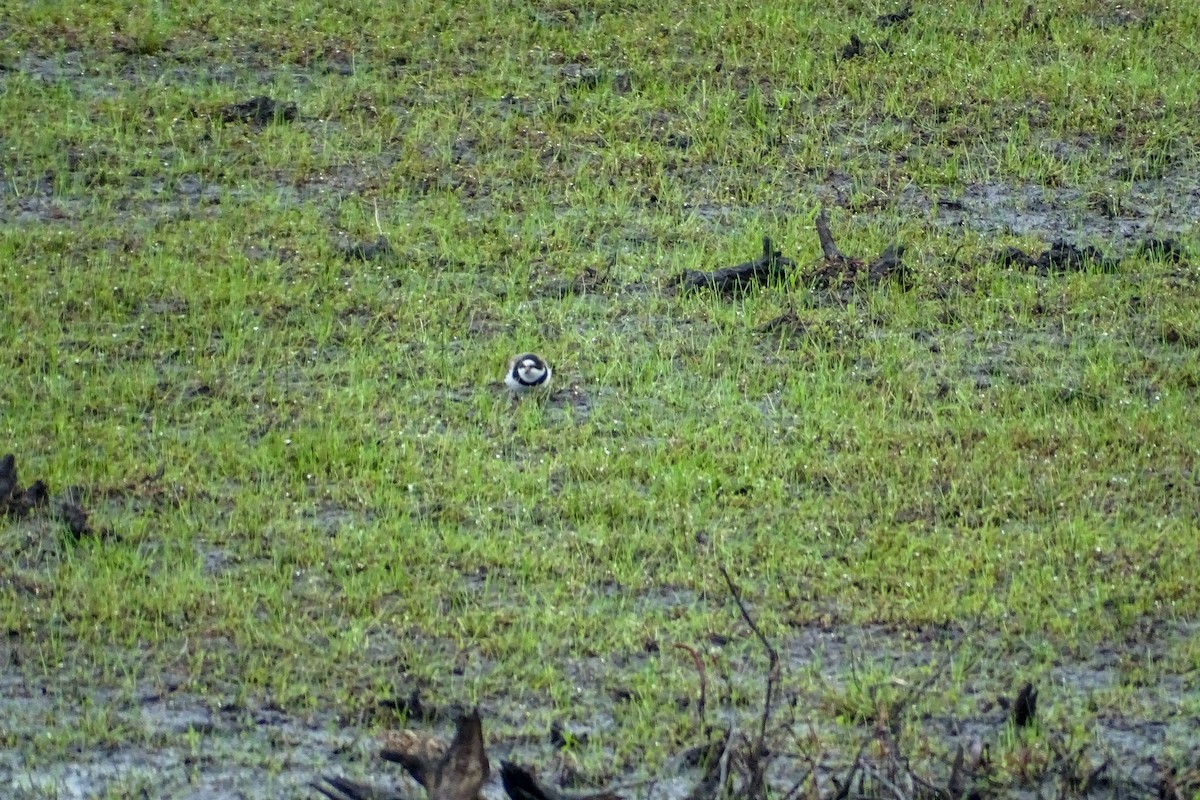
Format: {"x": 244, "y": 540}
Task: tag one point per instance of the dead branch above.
{"x": 1024, "y": 708}
{"x": 699, "y": 664}
{"x": 772, "y": 655}
{"x": 520, "y": 784}
{"x": 336, "y": 788}
{"x": 772, "y": 265}
{"x": 839, "y": 271}
{"x": 828, "y": 247}
{"x": 448, "y": 771}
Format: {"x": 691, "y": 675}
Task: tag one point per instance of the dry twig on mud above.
{"x": 772, "y": 655}
{"x": 754, "y": 757}
{"x": 698, "y": 662}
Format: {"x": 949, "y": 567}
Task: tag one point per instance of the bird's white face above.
{"x": 527, "y": 372}
{"x": 530, "y": 370}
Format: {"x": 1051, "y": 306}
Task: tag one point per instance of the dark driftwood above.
{"x": 1063, "y": 256}
{"x": 520, "y": 784}
{"x": 828, "y": 247}
{"x": 836, "y": 270}
{"x": 456, "y": 774}
{"x": 17, "y": 502}
{"x": 259, "y": 111}
{"x": 366, "y": 251}
{"x": 1024, "y": 708}
{"x": 1168, "y": 250}
{"x": 1059, "y": 257}
{"x": 842, "y": 271}
{"x": 772, "y": 265}
{"x": 895, "y": 17}
{"x": 854, "y": 49}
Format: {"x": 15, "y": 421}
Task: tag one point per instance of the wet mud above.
{"x": 173, "y": 743}
{"x": 176, "y": 743}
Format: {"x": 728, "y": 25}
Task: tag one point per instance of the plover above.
{"x": 526, "y": 373}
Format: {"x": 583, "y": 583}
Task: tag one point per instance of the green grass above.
{"x": 346, "y": 506}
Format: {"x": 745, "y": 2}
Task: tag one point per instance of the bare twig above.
{"x": 957, "y": 785}
{"x": 844, "y": 789}
{"x": 378, "y": 227}
{"x": 929, "y": 788}
{"x": 726, "y": 757}
{"x": 336, "y": 788}
{"x": 772, "y": 655}
{"x": 897, "y": 708}
{"x": 880, "y": 779}
{"x": 699, "y": 663}
{"x": 812, "y": 765}
{"x": 795, "y": 789}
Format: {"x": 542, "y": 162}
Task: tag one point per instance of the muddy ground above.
{"x": 185, "y": 746}
{"x": 179, "y": 745}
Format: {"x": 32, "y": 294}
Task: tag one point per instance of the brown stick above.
{"x": 827, "y": 244}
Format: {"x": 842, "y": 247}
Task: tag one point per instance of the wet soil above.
{"x": 175, "y": 743}
{"x": 1153, "y": 199}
